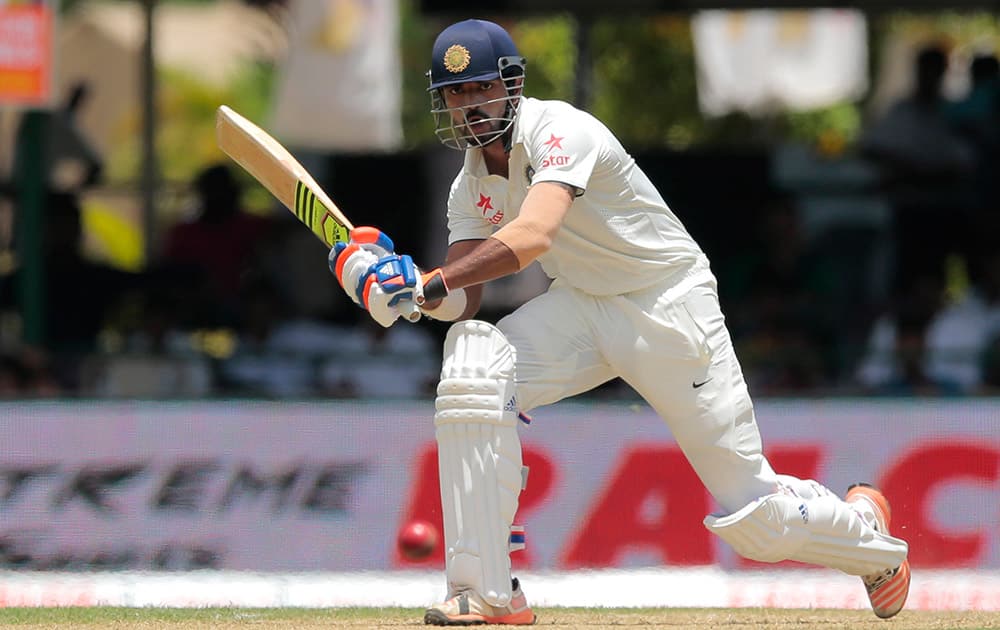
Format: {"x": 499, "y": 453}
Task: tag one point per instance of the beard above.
{"x": 483, "y": 131}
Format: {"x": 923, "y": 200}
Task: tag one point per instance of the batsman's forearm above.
{"x": 531, "y": 233}
{"x": 491, "y": 259}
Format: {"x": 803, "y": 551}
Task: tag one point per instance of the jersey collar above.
{"x": 475, "y": 165}
{"x": 517, "y": 133}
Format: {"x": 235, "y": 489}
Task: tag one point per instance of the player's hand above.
{"x": 350, "y": 262}
{"x": 355, "y": 265}
{"x": 425, "y": 289}
{"x": 396, "y": 283}
{"x": 389, "y": 290}
{"x": 401, "y": 285}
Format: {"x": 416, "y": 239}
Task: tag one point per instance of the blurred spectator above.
{"x": 75, "y": 164}
{"x": 989, "y": 291}
{"x": 296, "y": 260}
{"x": 935, "y": 346}
{"x": 780, "y": 313}
{"x": 960, "y": 334}
{"x": 80, "y": 296}
{"x": 27, "y": 374}
{"x": 991, "y": 368}
{"x": 218, "y": 248}
{"x": 925, "y": 170}
{"x": 156, "y": 317}
{"x": 914, "y": 136}
{"x": 13, "y": 377}
{"x": 977, "y": 118}
{"x": 254, "y": 368}
{"x": 955, "y": 339}
{"x": 400, "y": 362}
{"x": 896, "y": 363}
{"x": 973, "y": 115}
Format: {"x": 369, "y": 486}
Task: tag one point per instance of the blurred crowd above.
{"x": 239, "y": 304}
{"x": 909, "y": 307}
{"x": 940, "y": 160}
{"x": 235, "y": 304}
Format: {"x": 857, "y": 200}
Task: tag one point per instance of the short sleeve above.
{"x": 465, "y": 222}
{"x": 562, "y": 151}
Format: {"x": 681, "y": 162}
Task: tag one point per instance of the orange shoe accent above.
{"x": 887, "y": 591}
{"x": 468, "y": 608}
{"x": 889, "y": 597}
{"x": 520, "y": 618}
{"x": 882, "y": 510}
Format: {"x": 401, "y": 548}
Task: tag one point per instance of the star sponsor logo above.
{"x": 554, "y": 142}
{"x": 491, "y": 214}
{"x": 555, "y": 160}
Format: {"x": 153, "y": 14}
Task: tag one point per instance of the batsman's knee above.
{"x": 477, "y": 377}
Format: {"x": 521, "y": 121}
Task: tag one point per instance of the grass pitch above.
{"x": 589, "y": 618}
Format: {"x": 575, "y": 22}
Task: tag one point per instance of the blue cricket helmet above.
{"x": 473, "y": 50}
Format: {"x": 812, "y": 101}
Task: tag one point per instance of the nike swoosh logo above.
{"x": 697, "y": 385}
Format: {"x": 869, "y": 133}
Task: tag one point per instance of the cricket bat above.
{"x": 277, "y": 170}
{"x": 274, "y": 167}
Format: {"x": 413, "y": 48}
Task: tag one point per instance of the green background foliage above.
{"x": 641, "y": 82}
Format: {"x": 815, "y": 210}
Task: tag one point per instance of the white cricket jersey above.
{"x": 619, "y": 235}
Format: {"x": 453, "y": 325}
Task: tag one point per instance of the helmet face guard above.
{"x": 452, "y": 126}
{"x": 474, "y": 51}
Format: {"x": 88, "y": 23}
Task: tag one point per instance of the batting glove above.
{"x": 373, "y": 277}
{"x": 389, "y": 289}
{"x": 352, "y": 261}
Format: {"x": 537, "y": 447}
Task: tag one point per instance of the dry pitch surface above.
{"x": 262, "y": 619}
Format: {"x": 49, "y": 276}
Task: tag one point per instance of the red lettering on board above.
{"x": 425, "y": 503}
{"x": 653, "y": 502}
{"x": 910, "y": 484}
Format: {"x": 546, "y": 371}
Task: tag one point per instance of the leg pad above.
{"x": 479, "y": 460}
{"x": 821, "y": 530}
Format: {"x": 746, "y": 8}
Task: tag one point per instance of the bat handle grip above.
{"x": 410, "y": 310}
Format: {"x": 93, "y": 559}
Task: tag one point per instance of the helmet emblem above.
{"x": 456, "y": 58}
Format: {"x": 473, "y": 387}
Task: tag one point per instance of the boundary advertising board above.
{"x": 325, "y": 486}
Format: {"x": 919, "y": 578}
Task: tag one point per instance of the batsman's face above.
{"x": 477, "y": 108}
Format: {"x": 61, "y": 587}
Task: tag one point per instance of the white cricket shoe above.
{"x": 888, "y": 589}
{"x": 468, "y": 608}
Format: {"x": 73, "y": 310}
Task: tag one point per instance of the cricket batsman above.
{"x": 632, "y": 296}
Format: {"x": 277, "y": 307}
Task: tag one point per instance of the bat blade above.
{"x": 284, "y": 177}
{"x": 277, "y": 170}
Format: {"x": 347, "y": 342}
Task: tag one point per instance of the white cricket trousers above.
{"x": 670, "y": 343}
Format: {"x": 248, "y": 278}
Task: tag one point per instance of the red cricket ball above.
{"x": 417, "y": 540}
